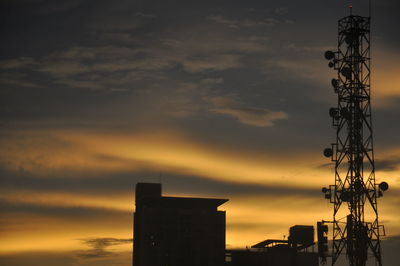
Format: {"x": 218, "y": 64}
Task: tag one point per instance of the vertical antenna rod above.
{"x": 369, "y": 8}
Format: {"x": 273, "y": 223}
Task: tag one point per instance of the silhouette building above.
{"x": 298, "y": 250}
{"x": 177, "y": 231}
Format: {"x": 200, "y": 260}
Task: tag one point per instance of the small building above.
{"x": 298, "y": 250}
{"x": 177, "y": 231}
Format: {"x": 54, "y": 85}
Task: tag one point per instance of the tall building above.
{"x": 177, "y": 231}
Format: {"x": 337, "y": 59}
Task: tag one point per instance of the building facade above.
{"x": 177, "y": 231}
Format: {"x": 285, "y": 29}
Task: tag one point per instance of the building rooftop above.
{"x": 150, "y": 194}
{"x": 182, "y": 202}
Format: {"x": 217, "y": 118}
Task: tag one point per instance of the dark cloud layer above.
{"x": 98, "y": 247}
{"x": 124, "y": 182}
{"x": 388, "y": 164}
{"x": 62, "y": 212}
{"x": 142, "y": 64}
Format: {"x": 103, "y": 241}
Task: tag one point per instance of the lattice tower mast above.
{"x": 356, "y": 228}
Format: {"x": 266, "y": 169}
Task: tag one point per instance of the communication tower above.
{"x": 355, "y": 227}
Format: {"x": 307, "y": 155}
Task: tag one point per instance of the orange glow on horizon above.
{"x": 250, "y": 218}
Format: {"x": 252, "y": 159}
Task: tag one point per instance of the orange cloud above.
{"x": 385, "y": 78}
{"x": 250, "y": 218}
{"x": 46, "y": 152}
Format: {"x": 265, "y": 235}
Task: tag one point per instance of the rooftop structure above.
{"x": 298, "y": 250}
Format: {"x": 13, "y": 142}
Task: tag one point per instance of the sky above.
{"x": 213, "y": 98}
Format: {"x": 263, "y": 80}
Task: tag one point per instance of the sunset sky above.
{"x": 212, "y": 98}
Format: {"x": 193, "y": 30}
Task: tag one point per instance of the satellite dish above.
{"x": 384, "y": 186}
{"x": 331, "y": 64}
{"x": 344, "y": 112}
{"x": 328, "y": 152}
{"x": 345, "y": 195}
{"x": 346, "y": 72}
{"x": 333, "y": 112}
{"x": 335, "y": 83}
{"x": 324, "y": 190}
{"x": 329, "y": 55}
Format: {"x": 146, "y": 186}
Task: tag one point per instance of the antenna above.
{"x": 369, "y": 8}
{"x": 356, "y": 229}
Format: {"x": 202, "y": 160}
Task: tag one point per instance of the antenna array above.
{"x": 356, "y": 228}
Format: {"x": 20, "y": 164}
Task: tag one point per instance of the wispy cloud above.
{"x": 247, "y": 23}
{"x": 281, "y": 11}
{"x": 98, "y": 246}
{"x": 145, "y": 15}
{"x": 390, "y": 164}
{"x": 16, "y": 63}
{"x": 215, "y": 63}
{"x": 14, "y": 81}
{"x": 254, "y": 116}
{"x": 384, "y": 165}
{"x": 166, "y": 151}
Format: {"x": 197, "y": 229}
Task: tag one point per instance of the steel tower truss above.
{"x": 356, "y": 229}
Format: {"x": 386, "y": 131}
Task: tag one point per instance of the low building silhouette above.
{"x": 298, "y": 250}
{"x": 177, "y": 231}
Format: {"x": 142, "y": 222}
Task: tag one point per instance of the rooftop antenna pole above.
{"x": 356, "y": 229}
{"x": 369, "y": 8}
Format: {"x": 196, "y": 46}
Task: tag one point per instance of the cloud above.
{"x": 250, "y": 226}
{"x": 281, "y": 11}
{"x": 102, "y": 243}
{"x": 212, "y": 81}
{"x": 295, "y": 68}
{"x": 325, "y": 166}
{"x": 260, "y": 117}
{"x": 390, "y": 250}
{"x": 244, "y": 23}
{"x": 99, "y": 191}
{"x": 144, "y": 15}
{"x": 58, "y": 209}
{"x": 212, "y": 63}
{"x": 253, "y": 116}
{"x": 38, "y": 259}
{"x": 386, "y": 84}
{"x": 10, "y": 81}
{"x": 126, "y": 60}
{"x": 50, "y": 7}
{"x": 113, "y": 67}
{"x": 387, "y": 164}
{"x": 16, "y": 63}
{"x": 60, "y": 68}
{"x": 45, "y": 153}
{"x": 222, "y": 44}
{"x": 98, "y": 246}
